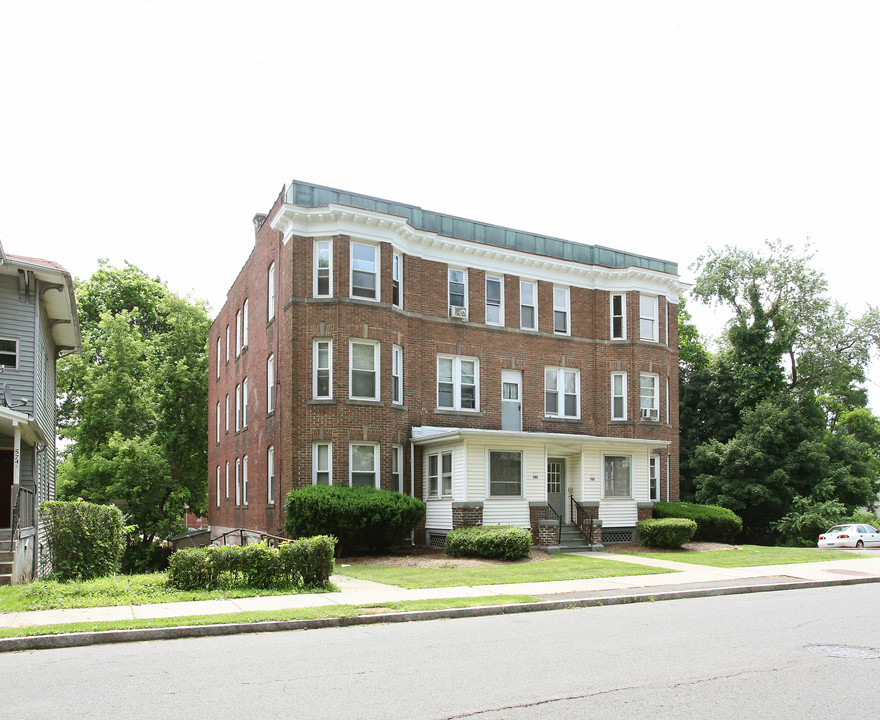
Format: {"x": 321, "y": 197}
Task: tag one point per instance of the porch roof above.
{"x": 30, "y": 431}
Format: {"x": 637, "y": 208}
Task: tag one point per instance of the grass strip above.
{"x": 754, "y": 555}
{"x": 311, "y": 613}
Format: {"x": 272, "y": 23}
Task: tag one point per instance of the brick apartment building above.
{"x": 493, "y": 373}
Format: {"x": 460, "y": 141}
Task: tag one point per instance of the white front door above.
{"x": 511, "y": 400}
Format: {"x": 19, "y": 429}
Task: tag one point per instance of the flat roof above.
{"x": 309, "y": 195}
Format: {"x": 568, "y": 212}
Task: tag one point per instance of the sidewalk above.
{"x": 696, "y": 579}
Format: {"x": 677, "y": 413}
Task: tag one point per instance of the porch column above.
{"x": 16, "y": 452}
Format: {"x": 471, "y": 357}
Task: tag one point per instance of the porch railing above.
{"x": 553, "y": 515}
{"x": 22, "y": 508}
{"x": 275, "y": 540}
{"x": 582, "y": 520}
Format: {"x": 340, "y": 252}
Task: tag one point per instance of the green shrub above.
{"x": 85, "y": 540}
{"x": 308, "y": 560}
{"x": 665, "y": 532}
{"x": 501, "y": 542}
{"x": 357, "y": 517}
{"x": 714, "y": 523}
{"x": 144, "y": 557}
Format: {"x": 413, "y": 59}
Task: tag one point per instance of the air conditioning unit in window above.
{"x": 649, "y": 414}
{"x": 457, "y": 312}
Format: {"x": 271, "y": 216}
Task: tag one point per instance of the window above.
{"x": 227, "y": 479}
{"x": 363, "y": 465}
{"x": 440, "y": 475}
{"x": 227, "y": 343}
{"x": 397, "y": 468}
{"x": 238, "y": 481}
{"x": 322, "y": 357}
{"x": 218, "y": 356}
{"x": 618, "y": 396}
{"x": 505, "y": 473}
{"x": 457, "y": 288}
{"x": 244, "y": 480}
{"x": 9, "y": 353}
{"x": 364, "y": 378}
{"x": 457, "y": 380}
{"x": 244, "y": 402}
{"x": 217, "y": 495}
{"x": 649, "y": 385}
{"x": 270, "y": 384}
{"x": 321, "y": 464}
{"x": 397, "y": 280}
{"x": 396, "y": 375}
{"x": 323, "y": 269}
{"x": 238, "y": 333}
{"x": 561, "y": 311}
{"x": 648, "y": 318}
{"x": 244, "y": 325}
{"x": 562, "y": 392}
{"x": 270, "y": 475}
{"x": 618, "y": 317}
{"x": 270, "y": 294}
{"x": 618, "y": 476}
{"x": 528, "y": 305}
{"x": 654, "y": 476}
{"x": 494, "y": 300}
{"x": 227, "y": 414}
{"x": 218, "y": 422}
{"x": 364, "y": 280}
{"x": 237, "y": 408}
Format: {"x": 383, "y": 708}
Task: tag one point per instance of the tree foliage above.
{"x": 134, "y": 402}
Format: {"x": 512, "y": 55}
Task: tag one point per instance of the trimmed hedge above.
{"x": 665, "y": 532}
{"x": 501, "y": 542}
{"x": 714, "y": 523}
{"x": 306, "y": 562}
{"x": 356, "y": 516}
{"x": 85, "y": 540}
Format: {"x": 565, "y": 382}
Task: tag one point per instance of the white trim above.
{"x": 622, "y": 374}
{"x": 653, "y": 318}
{"x": 564, "y": 308}
{"x": 397, "y": 477}
{"x": 397, "y": 373}
{"x": 456, "y": 382}
{"x": 560, "y": 373}
{"x": 270, "y": 292}
{"x": 397, "y": 269}
{"x": 316, "y": 342}
{"x": 218, "y": 486}
{"x": 376, "y": 272}
{"x": 376, "y": 369}
{"x": 622, "y": 316}
{"x": 315, "y": 468}
{"x": 653, "y": 411}
{"x": 245, "y": 322}
{"x": 428, "y": 435}
{"x": 244, "y": 480}
{"x": 604, "y": 496}
{"x": 227, "y": 480}
{"x": 522, "y": 463}
{"x": 237, "y": 333}
{"x": 270, "y": 475}
{"x": 244, "y": 404}
{"x": 534, "y": 285}
{"x": 375, "y": 470}
{"x": 315, "y": 246}
{"x": 270, "y": 383}
{"x": 500, "y": 280}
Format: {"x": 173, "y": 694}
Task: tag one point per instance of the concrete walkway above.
{"x": 692, "y": 578}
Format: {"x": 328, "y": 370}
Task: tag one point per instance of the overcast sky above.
{"x": 153, "y": 130}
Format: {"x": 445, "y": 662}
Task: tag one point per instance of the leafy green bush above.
{"x": 714, "y": 523}
{"x": 143, "y": 557}
{"x": 85, "y": 540}
{"x": 502, "y": 542}
{"x": 306, "y": 562}
{"x": 356, "y": 516}
{"x": 665, "y": 532}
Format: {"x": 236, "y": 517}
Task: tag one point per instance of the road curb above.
{"x": 103, "y": 637}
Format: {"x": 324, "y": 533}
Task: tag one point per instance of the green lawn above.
{"x": 752, "y": 555}
{"x": 558, "y": 567}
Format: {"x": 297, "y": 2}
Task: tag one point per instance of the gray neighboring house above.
{"x": 38, "y": 324}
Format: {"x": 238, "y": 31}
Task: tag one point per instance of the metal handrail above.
{"x": 553, "y": 515}
{"x": 22, "y": 509}
{"x": 276, "y": 539}
{"x": 578, "y": 514}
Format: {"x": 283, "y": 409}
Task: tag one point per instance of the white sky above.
{"x": 153, "y": 130}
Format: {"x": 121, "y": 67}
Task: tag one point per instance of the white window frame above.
{"x": 559, "y": 374}
{"x": 218, "y": 422}
{"x": 316, "y": 468}
{"x": 562, "y": 307}
{"x": 270, "y": 293}
{"x": 351, "y": 369}
{"x": 375, "y": 469}
{"x": 534, "y": 305}
{"x": 227, "y": 344}
{"x": 227, "y": 480}
{"x": 318, "y": 369}
{"x": 620, "y": 333}
{"x": 218, "y": 356}
{"x": 507, "y": 451}
{"x": 618, "y": 395}
{"x": 13, "y": 353}
{"x": 605, "y": 480}
{"x": 322, "y": 244}
{"x": 439, "y": 475}
{"x": 237, "y": 408}
{"x": 500, "y": 305}
{"x": 457, "y": 276}
{"x": 397, "y": 279}
{"x": 218, "y": 486}
{"x": 397, "y": 468}
{"x": 654, "y": 477}
{"x": 648, "y": 318}
{"x": 270, "y": 475}
{"x": 270, "y": 383}
{"x": 238, "y": 481}
{"x": 244, "y": 480}
{"x": 238, "y": 333}
{"x": 244, "y": 404}
{"x": 456, "y": 382}
{"x": 245, "y": 322}
{"x": 397, "y": 375}
{"x": 377, "y": 294}
{"x": 227, "y": 415}
{"x": 649, "y": 405}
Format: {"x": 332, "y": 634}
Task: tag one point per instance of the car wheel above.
{"x": 860, "y": 544}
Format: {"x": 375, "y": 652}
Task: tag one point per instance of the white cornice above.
{"x": 372, "y": 226}
{"x": 432, "y": 435}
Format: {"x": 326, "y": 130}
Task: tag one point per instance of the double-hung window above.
{"x": 458, "y": 382}
{"x": 270, "y": 293}
{"x": 654, "y": 477}
{"x": 9, "y": 354}
{"x": 618, "y": 476}
{"x": 505, "y": 473}
{"x": 397, "y": 468}
{"x": 364, "y": 465}
{"x": 218, "y": 355}
{"x": 494, "y": 300}
{"x": 244, "y": 480}
{"x": 218, "y": 422}
{"x": 321, "y": 456}
{"x": 649, "y": 390}
{"x": 618, "y": 396}
{"x": 238, "y": 481}
{"x": 528, "y": 305}
{"x": 270, "y": 384}
{"x": 397, "y": 280}
{"x": 227, "y": 415}
{"x": 217, "y": 495}
{"x": 648, "y": 317}
{"x": 238, "y": 333}
{"x": 440, "y": 475}
{"x": 227, "y": 344}
{"x": 322, "y": 365}
{"x": 244, "y": 403}
{"x": 562, "y": 311}
{"x": 323, "y": 282}
{"x": 397, "y": 375}
{"x": 562, "y": 392}
{"x": 270, "y": 475}
{"x": 618, "y": 316}
{"x": 457, "y": 288}
{"x": 244, "y": 325}
{"x": 237, "y": 408}
{"x": 227, "y": 480}
{"x": 364, "y": 278}
{"x": 364, "y": 375}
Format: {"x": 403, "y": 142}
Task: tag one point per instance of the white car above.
{"x": 850, "y": 536}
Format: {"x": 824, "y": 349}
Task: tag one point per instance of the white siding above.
{"x": 438, "y": 515}
{"x": 506, "y": 512}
